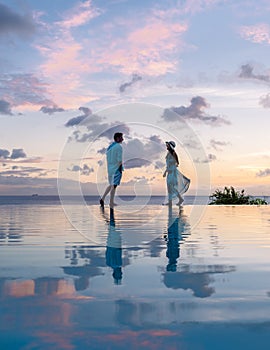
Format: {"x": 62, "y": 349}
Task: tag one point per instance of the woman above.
{"x": 177, "y": 183}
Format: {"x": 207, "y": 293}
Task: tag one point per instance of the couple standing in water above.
{"x": 177, "y": 183}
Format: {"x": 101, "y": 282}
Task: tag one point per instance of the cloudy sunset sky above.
{"x": 63, "y": 62}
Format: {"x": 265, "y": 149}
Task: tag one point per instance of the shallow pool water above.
{"x": 145, "y": 279}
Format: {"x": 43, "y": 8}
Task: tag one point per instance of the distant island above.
{"x": 230, "y": 196}
{"x": 34, "y": 195}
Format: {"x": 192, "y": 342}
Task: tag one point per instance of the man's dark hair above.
{"x": 117, "y": 135}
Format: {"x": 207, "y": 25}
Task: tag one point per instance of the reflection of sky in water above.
{"x": 59, "y": 291}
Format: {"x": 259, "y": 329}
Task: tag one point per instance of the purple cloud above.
{"x": 218, "y": 145}
{"x": 135, "y": 79}
{"x": 4, "y": 153}
{"x": 5, "y": 108}
{"x": 136, "y": 163}
{"x": 12, "y": 22}
{"x": 15, "y": 154}
{"x": 247, "y": 73}
{"x": 195, "y": 111}
{"x": 139, "y": 153}
{"x": 22, "y": 171}
{"x": 77, "y": 120}
{"x": 18, "y": 153}
{"x": 96, "y": 129}
{"x": 263, "y": 173}
{"x": 159, "y": 164}
{"x": 102, "y": 150}
{"x": 85, "y": 170}
{"x": 142, "y": 153}
{"x": 51, "y": 110}
{"x": 24, "y": 89}
{"x": 210, "y": 158}
{"x": 265, "y": 101}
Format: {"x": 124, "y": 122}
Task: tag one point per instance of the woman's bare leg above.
{"x": 181, "y": 199}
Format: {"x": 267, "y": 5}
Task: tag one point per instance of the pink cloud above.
{"x": 259, "y": 33}
{"x": 24, "y": 90}
{"x": 63, "y": 68}
{"x": 150, "y": 46}
{"x": 79, "y": 15}
{"x": 155, "y": 33}
{"x": 65, "y": 63}
{"x": 148, "y": 49}
{"x": 62, "y": 57}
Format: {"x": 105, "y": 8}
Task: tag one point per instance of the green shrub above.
{"x": 258, "y": 201}
{"x": 230, "y": 196}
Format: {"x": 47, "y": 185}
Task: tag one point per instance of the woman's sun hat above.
{"x": 171, "y": 144}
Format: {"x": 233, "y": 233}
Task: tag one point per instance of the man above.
{"x": 114, "y": 167}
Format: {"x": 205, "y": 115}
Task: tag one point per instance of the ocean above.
{"x": 93, "y": 200}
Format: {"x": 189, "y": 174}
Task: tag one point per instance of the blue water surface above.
{"x": 186, "y": 287}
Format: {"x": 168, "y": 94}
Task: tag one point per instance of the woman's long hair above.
{"x": 174, "y": 154}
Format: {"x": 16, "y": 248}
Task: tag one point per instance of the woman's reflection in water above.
{"x": 114, "y": 250}
{"x": 198, "y": 278}
{"x": 176, "y": 228}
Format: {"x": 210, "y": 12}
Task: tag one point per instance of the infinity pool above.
{"x": 147, "y": 279}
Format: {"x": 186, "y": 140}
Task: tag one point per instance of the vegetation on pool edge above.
{"x": 230, "y": 196}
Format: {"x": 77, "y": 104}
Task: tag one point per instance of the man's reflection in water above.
{"x": 176, "y": 227}
{"x": 114, "y": 249}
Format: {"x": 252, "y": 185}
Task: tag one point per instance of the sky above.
{"x": 74, "y": 72}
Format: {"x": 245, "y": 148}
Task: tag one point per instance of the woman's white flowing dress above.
{"x": 177, "y": 183}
